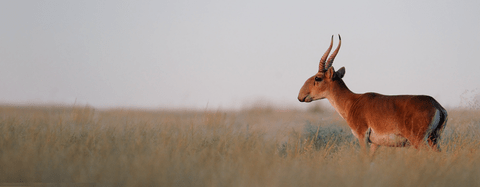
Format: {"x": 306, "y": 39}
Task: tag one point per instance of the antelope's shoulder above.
{"x": 370, "y": 96}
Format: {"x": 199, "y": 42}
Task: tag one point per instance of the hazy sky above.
{"x": 227, "y": 54}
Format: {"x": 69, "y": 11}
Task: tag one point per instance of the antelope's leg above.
{"x": 373, "y": 149}
{"x": 364, "y": 140}
{"x": 364, "y": 145}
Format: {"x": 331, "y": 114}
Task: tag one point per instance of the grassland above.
{"x": 253, "y": 147}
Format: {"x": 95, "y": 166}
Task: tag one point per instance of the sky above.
{"x": 232, "y": 54}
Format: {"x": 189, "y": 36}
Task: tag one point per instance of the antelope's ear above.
{"x": 330, "y": 73}
{"x": 340, "y": 73}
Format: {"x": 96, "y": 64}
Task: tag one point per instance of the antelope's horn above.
{"x": 332, "y": 57}
{"x": 324, "y": 57}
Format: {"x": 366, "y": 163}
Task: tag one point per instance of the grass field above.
{"x": 252, "y": 147}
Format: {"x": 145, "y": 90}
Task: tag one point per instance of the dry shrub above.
{"x": 121, "y": 147}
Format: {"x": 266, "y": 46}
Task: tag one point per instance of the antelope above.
{"x": 376, "y": 119}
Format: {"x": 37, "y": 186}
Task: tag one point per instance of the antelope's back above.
{"x": 394, "y": 113}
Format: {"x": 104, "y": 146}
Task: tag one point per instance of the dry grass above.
{"x": 255, "y": 147}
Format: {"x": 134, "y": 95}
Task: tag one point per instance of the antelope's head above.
{"x": 318, "y": 86}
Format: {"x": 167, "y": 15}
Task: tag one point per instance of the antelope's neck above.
{"x": 341, "y": 98}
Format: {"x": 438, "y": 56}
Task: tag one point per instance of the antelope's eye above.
{"x": 318, "y": 79}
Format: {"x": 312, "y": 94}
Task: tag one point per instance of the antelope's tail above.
{"x": 440, "y": 121}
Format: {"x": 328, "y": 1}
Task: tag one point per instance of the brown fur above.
{"x": 395, "y": 121}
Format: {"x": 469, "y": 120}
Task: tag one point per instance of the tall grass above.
{"x": 71, "y": 145}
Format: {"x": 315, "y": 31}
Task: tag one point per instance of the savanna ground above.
{"x": 260, "y": 146}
